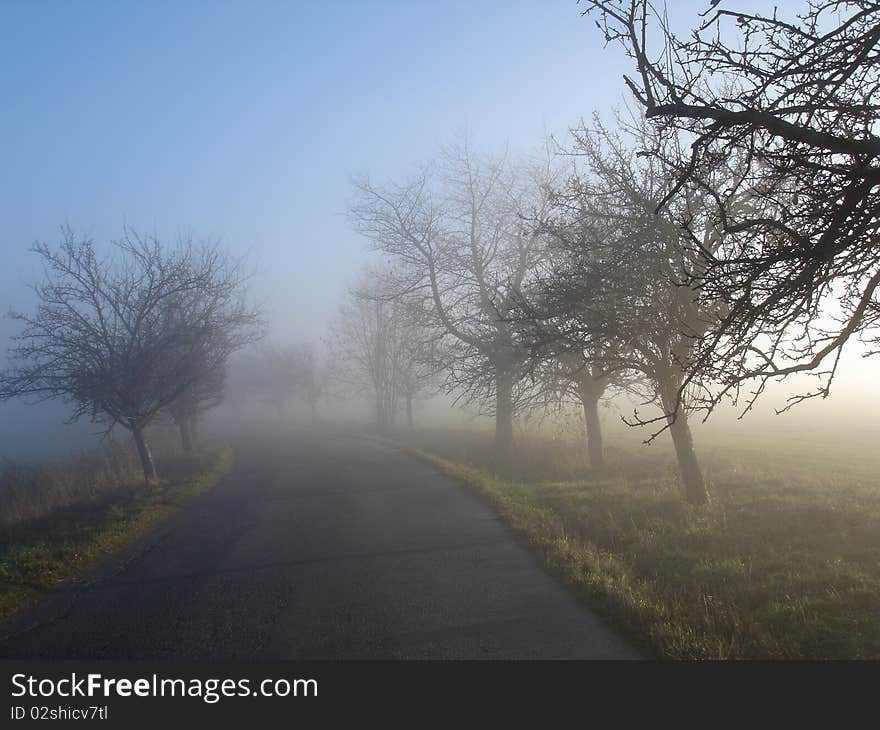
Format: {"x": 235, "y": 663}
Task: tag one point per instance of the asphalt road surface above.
{"x": 319, "y": 546}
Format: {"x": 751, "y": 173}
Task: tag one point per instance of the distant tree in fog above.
{"x": 273, "y": 375}
{"x": 376, "y": 343}
{"x": 277, "y": 374}
{"x": 461, "y": 247}
{"x": 310, "y": 378}
{"x": 206, "y": 391}
{"x": 126, "y": 336}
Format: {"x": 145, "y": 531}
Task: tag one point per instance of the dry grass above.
{"x": 89, "y": 519}
{"x": 28, "y": 491}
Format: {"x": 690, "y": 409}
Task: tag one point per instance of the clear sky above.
{"x": 245, "y": 121}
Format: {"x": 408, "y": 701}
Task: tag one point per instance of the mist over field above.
{"x": 611, "y": 269}
{"x": 247, "y": 125}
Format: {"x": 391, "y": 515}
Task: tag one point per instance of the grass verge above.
{"x": 41, "y": 554}
{"x": 774, "y": 568}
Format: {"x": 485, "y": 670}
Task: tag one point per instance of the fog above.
{"x": 247, "y": 126}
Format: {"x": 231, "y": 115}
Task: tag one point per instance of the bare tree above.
{"x": 206, "y": 391}
{"x": 360, "y": 341}
{"x": 460, "y": 242}
{"x": 564, "y": 375}
{"x": 614, "y": 296}
{"x": 273, "y": 375}
{"x": 416, "y": 363}
{"x": 589, "y": 381}
{"x": 125, "y": 336}
{"x": 310, "y": 378}
{"x": 573, "y": 356}
{"x": 376, "y": 343}
{"x": 794, "y": 98}
{"x": 243, "y": 381}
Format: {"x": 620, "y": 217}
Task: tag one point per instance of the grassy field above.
{"x": 784, "y": 563}
{"x": 38, "y": 554}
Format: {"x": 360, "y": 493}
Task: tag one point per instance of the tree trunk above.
{"x": 503, "y": 419}
{"x": 590, "y": 401}
{"x": 144, "y": 453}
{"x": 409, "y": 412}
{"x": 692, "y": 482}
{"x": 185, "y": 435}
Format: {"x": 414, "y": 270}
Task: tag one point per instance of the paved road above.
{"x": 319, "y": 547}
